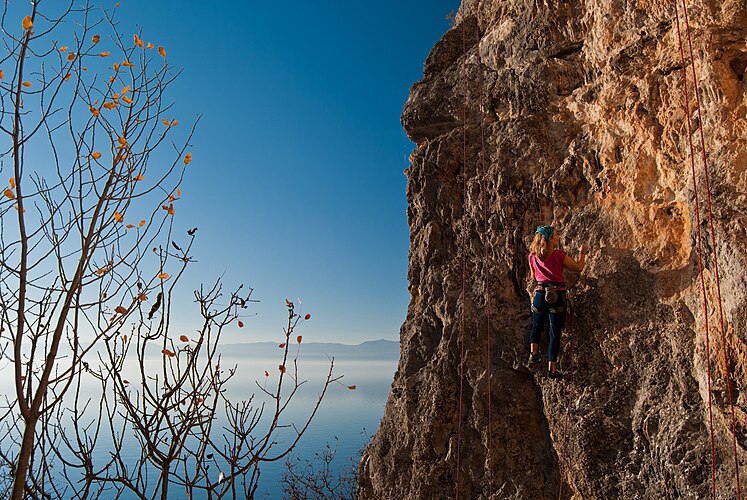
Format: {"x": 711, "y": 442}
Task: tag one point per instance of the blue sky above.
{"x": 297, "y": 183}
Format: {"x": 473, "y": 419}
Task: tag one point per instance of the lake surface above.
{"x": 346, "y": 419}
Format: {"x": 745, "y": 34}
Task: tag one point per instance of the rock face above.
{"x": 573, "y": 114}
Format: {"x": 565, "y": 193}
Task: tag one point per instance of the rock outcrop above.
{"x": 573, "y": 114}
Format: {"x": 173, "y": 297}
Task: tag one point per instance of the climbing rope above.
{"x": 464, "y": 263}
{"x": 569, "y": 402}
{"x": 713, "y": 244}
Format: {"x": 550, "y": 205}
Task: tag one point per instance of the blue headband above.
{"x": 546, "y": 232}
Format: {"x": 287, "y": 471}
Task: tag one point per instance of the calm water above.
{"x": 351, "y": 416}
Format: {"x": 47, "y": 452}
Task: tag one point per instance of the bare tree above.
{"x": 89, "y": 261}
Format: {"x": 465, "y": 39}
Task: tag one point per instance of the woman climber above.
{"x": 548, "y": 299}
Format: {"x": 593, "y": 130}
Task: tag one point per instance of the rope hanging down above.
{"x": 713, "y": 244}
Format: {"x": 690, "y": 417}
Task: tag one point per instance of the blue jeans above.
{"x": 541, "y": 311}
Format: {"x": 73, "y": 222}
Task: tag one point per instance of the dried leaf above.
{"x": 96, "y": 155}
{"x": 282, "y": 346}
{"x": 149, "y": 46}
{"x": 175, "y": 123}
{"x": 142, "y": 297}
{"x": 188, "y": 159}
{"x": 138, "y": 41}
{"x": 67, "y": 77}
{"x": 141, "y": 223}
{"x": 94, "y": 111}
{"x": 168, "y": 353}
{"x": 122, "y": 141}
{"x": 178, "y": 192}
{"x": 126, "y": 99}
{"x": 118, "y": 216}
{"x": 116, "y": 68}
{"x": 267, "y": 373}
{"x": 162, "y": 51}
{"x": 27, "y": 23}
{"x": 26, "y": 84}
{"x": 12, "y": 182}
{"x": 125, "y": 89}
{"x": 171, "y": 198}
{"x": 184, "y": 338}
{"x": 125, "y": 381}
{"x": 163, "y": 276}
{"x": 308, "y": 316}
{"x": 139, "y": 177}
{"x": 299, "y": 338}
{"x": 121, "y": 309}
{"x": 127, "y": 64}
{"x": 2, "y": 74}
{"x": 281, "y": 368}
{"x": 22, "y": 211}
{"x": 130, "y": 226}
{"x": 241, "y": 324}
{"x": 110, "y": 105}
{"x": 352, "y": 387}
{"x": 95, "y": 38}
{"x": 63, "y": 48}
{"x": 10, "y": 194}
{"x": 171, "y": 210}
{"x": 71, "y": 56}
{"x": 124, "y": 339}
{"x": 101, "y": 271}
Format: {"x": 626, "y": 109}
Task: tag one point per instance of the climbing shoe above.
{"x": 533, "y": 358}
{"x": 554, "y": 375}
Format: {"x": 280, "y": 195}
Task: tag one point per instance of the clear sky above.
{"x": 297, "y": 182}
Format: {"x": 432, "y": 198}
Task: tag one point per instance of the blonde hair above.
{"x": 539, "y": 246}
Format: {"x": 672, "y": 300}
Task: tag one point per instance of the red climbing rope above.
{"x": 486, "y": 274}
{"x": 464, "y": 264}
{"x": 700, "y": 251}
{"x": 715, "y": 249}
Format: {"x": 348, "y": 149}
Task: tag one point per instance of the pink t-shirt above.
{"x": 550, "y": 270}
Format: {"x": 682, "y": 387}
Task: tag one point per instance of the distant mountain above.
{"x": 372, "y": 349}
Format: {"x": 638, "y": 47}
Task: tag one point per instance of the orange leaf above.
{"x": 10, "y": 194}
{"x": 26, "y": 84}
{"x": 281, "y": 368}
{"x": 139, "y": 177}
{"x": 175, "y": 123}
{"x": 141, "y": 223}
{"x": 163, "y": 276}
{"x": 149, "y": 46}
{"x": 96, "y": 155}
{"x": 125, "y": 90}
{"x": 95, "y": 38}
{"x": 23, "y": 212}
{"x": 171, "y": 210}
{"x": 178, "y": 192}
{"x": 127, "y": 64}
{"x": 138, "y": 41}
{"x": 27, "y": 23}
{"x": 188, "y": 158}
{"x": 126, "y": 99}
{"x": 165, "y": 122}
{"x": 118, "y": 217}
{"x": 124, "y": 338}
{"x": 101, "y": 271}
{"x": 282, "y": 346}
{"x": 63, "y": 48}
{"x": 122, "y": 141}
{"x": 162, "y": 51}
{"x": 308, "y": 316}
{"x": 94, "y": 111}
{"x": 299, "y": 338}
{"x": 352, "y": 387}
{"x": 130, "y": 226}
{"x": 168, "y": 353}
{"x": 142, "y": 297}
{"x": 2, "y": 74}
{"x": 121, "y": 309}
{"x": 67, "y": 77}
{"x": 110, "y": 105}
{"x": 116, "y": 67}
{"x": 12, "y": 182}
{"x": 71, "y": 56}
{"x": 125, "y": 381}
{"x": 241, "y": 324}
{"x": 184, "y": 338}
{"x": 171, "y": 198}
{"x": 104, "y": 54}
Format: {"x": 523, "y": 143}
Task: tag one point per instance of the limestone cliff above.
{"x": 575, "y": 116}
